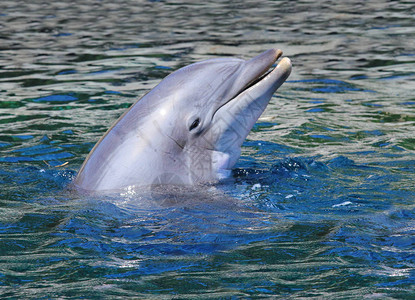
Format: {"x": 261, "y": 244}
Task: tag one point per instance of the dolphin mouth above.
{"x": 260, "y": 69}
{"x": 275, "y": 73}
{"x": 265, "y": 71}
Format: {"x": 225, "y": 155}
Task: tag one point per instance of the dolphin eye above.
{"x": 194, "y": 124}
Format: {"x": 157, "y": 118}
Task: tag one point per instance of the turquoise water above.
{"x": 321, "y": 202}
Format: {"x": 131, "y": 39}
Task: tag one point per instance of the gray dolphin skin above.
{"x": 188, "y": 129}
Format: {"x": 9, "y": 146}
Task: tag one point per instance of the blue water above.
{"x": 320, "y": 204}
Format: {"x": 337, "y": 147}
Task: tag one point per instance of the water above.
{"x": 321, "y": 203}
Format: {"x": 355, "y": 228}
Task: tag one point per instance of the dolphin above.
{"x": 189, "y": 129}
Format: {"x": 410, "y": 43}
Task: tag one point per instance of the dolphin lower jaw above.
{"x": 245, "y": 108}
{"x": 267, "y": 83}
{"x": 233, "y": 121}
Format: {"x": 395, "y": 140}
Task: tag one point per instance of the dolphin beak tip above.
{"x": 285, "y": 64}
{"x": 276, "y": 53}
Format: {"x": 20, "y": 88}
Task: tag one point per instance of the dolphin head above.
{"x": 189, "y": 128}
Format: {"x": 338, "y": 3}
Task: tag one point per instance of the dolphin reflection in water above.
{"x": 187, "y": 130}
